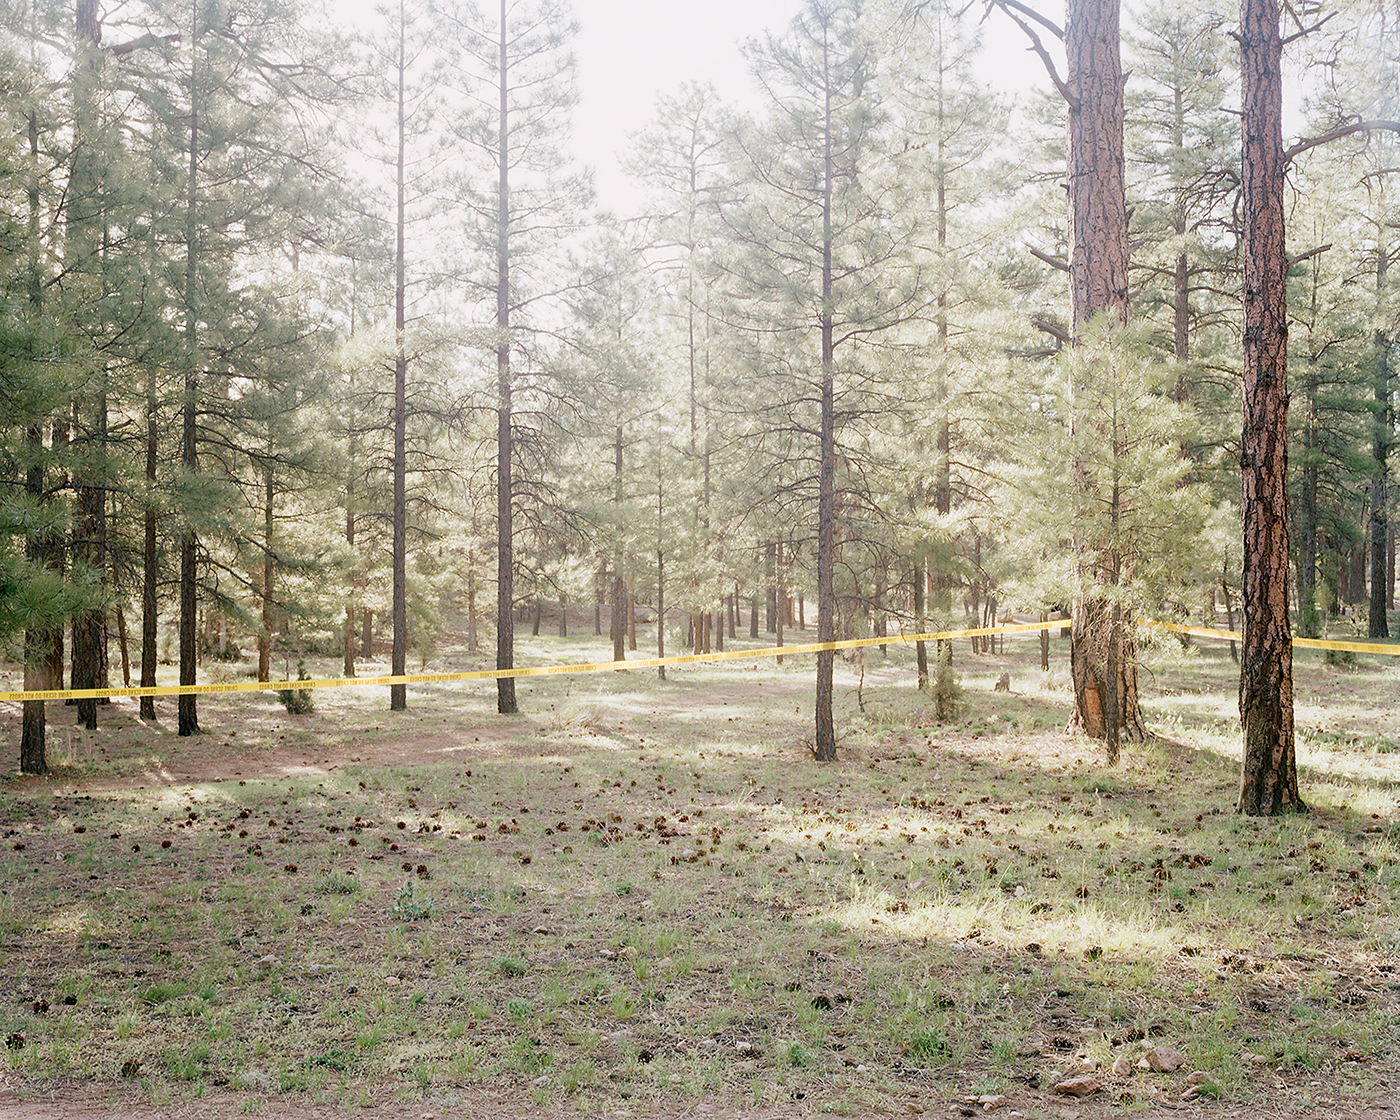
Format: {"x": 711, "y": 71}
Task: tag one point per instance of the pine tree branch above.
{"x": 142, "y": 43}
{"x": 1053, "y": 262}
{"x": 1303, "y": 31}
{"x": 1054, "y": 330}
{"x": 1007, "y": 6}
{"x": 1311, "y": 142}
{"x": 1298, "y": 258}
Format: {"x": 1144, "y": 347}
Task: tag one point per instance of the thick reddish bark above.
{"x": 1268, "y": 774}
{"x": 1098, "y": 212}
{"x": 1102, "y": 649}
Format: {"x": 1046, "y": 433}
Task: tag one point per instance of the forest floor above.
{"x": 642, "y": 898}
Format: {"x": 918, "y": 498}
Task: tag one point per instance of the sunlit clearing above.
{"x": 986, "y": 921}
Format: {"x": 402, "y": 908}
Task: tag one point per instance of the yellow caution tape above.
{"x": 1391, "y": 650}
{"x": 531, "y": 671}
{"x": 645, "y": 663}
{"x": 1197, "y": 631}
{"x": 1354, "y": 647}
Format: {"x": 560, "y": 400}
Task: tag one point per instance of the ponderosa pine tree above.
{"x": 1364, "y": 84}
{"x": 32, "y": 395}
{"x": 392, "y": 331}
{"x": 227, "y": 81}
{"x": 820, "y": 263}
{"x": 98, "y": 275}
{"x": 1329, "y": 350}
{"x": 953, "y": 127}
{"x": 614, "y": 310}
{"x": 1102, "y": 657}
{"x": 398, "y": 693}
{"x": 680, "y": 156}
{"x": 1184, "y": 172}
{"x": 1268, "y": 771}
{"x": 1268, "y": 777}
{"x": 521, "y": 198}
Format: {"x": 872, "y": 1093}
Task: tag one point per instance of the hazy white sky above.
{"x": 631, "y": 51}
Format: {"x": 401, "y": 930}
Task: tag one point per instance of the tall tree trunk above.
{"x": 90, "y": 626}
{"x": 770, "y": 559}
{"x": 149, "y": 555}
{"x": 920, "y": 625}
{"x": 398, "y": 658}
{"x": 1268, "y": 774}
{"x": 471, "y": 601}
{"x": 83, "y": 207}
{"x": 268, "y": 574}
{"x": 825, "y": 731}
{"x": 38, "y": 641}
{"x": 1390, "y": 565}
{"x": 188, "y": 722}
{"x": 780, "y": 598}
{"x": 505, "y": 523}
{"x": 1098, "y": 235}
{"x": 1309, "y": 611}
{"x": 825, "y": 750}
{"x": 619, "y": 591}
{"x": 660, "y": 605}
{"x": 943, "y": 463}
{"x": 1377, "y": 625}
{"x": 123, "y": 647}
{"x": 1229, "y": 614}
{"x": 602, "y": 584}
{"x": 57, "y": 557}
{"x": 347, "y": 656}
